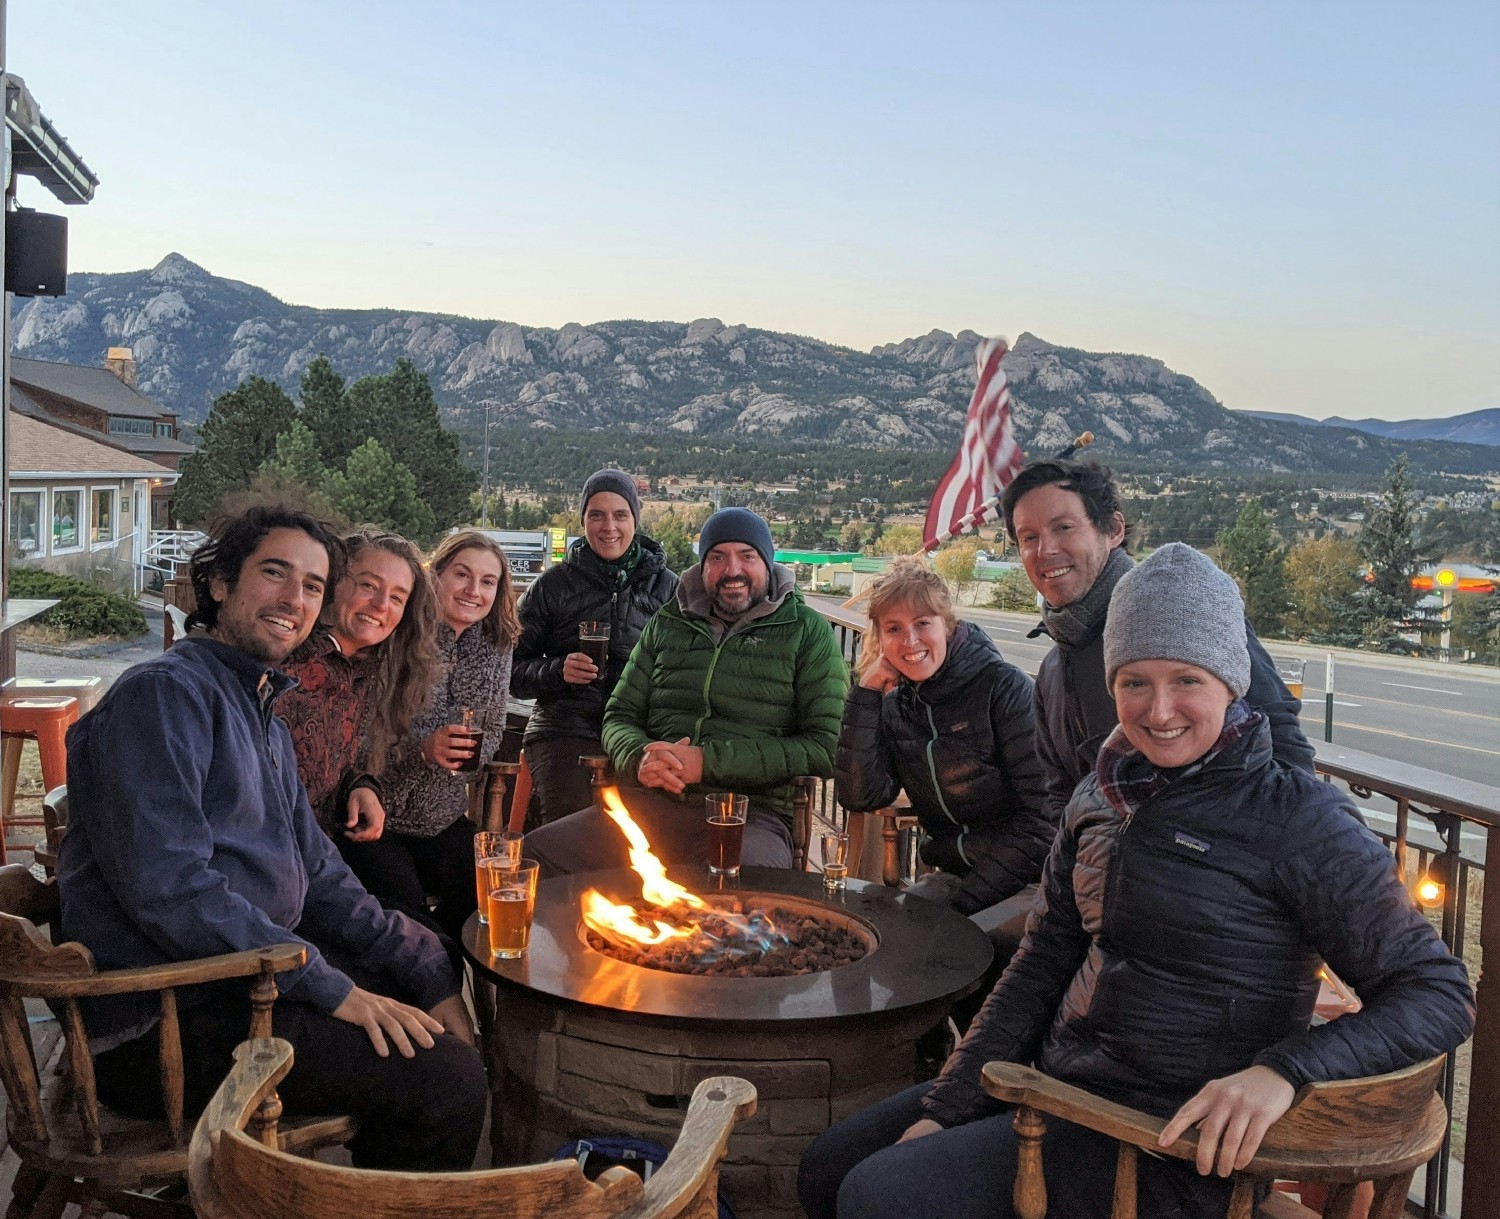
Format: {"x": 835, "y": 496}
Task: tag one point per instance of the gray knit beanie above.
{"x": 737, "y": 525}
{"x": 1178, "y": 606}
{"x": 611, "y": 480}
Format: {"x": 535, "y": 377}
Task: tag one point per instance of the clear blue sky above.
{"x": 1298, "y": 204}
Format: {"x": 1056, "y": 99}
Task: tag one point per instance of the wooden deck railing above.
{"x": 1423, "y": 815}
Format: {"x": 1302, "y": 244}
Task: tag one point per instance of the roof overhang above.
{"x": 85, "y": 476}
{"x": 39, "y": 150}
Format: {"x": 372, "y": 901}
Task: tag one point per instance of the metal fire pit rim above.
{"x": 926, "y": 954}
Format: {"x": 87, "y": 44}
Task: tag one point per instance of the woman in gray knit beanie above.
{"x": 1194, "y": 891}
{"x": 1174, "y": 613}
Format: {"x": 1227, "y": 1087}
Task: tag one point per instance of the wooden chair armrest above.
{"x": 280, "y": 957}
{"x": 1021, "y": 1085}
{"x": 1333, "y": 1131}
{"x": 718, "y": 1103}
{"x": 259, "y": 1065}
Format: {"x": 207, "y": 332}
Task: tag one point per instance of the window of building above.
{"x": 129, "y": 427}
{"x": 164, "y": 429}
{"x": 26, "y": 524}
{"x": 104, "y": 515}
{"x": 66, "y": 504}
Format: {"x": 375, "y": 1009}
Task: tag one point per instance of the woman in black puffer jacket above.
{"x": 939, "y": 713}
{"x": 1171, "y": 960}
{"x": 613, "y": 574}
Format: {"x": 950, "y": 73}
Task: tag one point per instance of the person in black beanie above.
{"x": 735, "y": 685}
{"x": 615, "y": 574}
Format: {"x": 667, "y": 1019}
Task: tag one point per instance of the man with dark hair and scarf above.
{"x": 190, "y": 835}
{"x": 1065, "y": 518}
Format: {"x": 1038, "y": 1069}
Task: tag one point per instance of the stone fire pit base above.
{"x": 561, "y": 1075}
{"x": 582, "y": 1045}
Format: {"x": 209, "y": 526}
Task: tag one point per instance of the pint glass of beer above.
{"x": 726, "y": 831}
{"x": 491, "y": 848}
{"x": 511, "y": 898}
{"x": 1290, "y": 670}
{"x": 593, "y": 642}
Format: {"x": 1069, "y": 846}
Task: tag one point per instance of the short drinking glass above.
{"x": 835, "y": 860}
{"x": 491, "y": 847}
{"x": 510, "y": 893}
{"x": 470, "y": 722}
{"x": 726, "y": 831}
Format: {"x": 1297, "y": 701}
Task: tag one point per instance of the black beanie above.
{"x": 612, "y": 480}
{"x": 737, "y": 525}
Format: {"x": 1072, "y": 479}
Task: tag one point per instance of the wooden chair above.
{"x": 235, "y": 1174}
{"x": 1380, "y": 1129}
{"x": 71, "y": 1149}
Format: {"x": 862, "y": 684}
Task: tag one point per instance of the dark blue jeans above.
{"x": 856, "y": 1170}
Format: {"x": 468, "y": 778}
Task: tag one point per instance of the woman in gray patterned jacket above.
{"x": 427, "y": 847}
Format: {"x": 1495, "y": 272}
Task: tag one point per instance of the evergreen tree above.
{"x": 398, "y": 409}
{"x": 374, "y": 488}
{"x": 1389, "y": 546}
{"x": 328, "y": 413}
{"x": 297, "y": 458}
{"x": 1249, "y": 552}
{"x": 238, "y": 436}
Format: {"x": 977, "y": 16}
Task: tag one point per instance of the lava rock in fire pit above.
{"x": 744, "y": 940}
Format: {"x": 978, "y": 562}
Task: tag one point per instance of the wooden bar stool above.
{"x": 45, "y": 721}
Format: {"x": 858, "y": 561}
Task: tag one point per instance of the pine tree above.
{"x": 1249, "y": 552}
{"x": 1389, "y": 546}
{"x": 398, "y": 409}
{"x": 376, "y": 489}
{"x": 328, "y": 413}
{"x": 238, "y": 436}
{"x": 297, "y": 458}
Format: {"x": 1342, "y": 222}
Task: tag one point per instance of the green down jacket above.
{"x": 764, "y": 704}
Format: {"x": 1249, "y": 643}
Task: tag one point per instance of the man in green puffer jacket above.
{"x": 733, "y": 686}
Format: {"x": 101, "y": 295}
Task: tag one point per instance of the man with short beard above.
{"x": 735, "y": 685}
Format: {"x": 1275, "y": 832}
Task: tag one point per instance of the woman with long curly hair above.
{"x": 427, "y": 847}
{"x": 365, "y": 674}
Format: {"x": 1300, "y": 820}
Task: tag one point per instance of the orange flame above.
{"x": 655, "y": 887}
{"x": 614, "y": 921}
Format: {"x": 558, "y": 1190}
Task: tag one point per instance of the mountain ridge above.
{"x": 196, "y": 335}
{"x": 1471, "y": 427}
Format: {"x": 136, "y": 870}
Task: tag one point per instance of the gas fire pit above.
{"x": 585, "y": 1043}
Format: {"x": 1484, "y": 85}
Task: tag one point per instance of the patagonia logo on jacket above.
{"x": 1192, "y": 844}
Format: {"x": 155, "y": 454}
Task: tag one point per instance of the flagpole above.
{"x": 973, "y": 521}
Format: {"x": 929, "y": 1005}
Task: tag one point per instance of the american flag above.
{"x": 988, "y": 457}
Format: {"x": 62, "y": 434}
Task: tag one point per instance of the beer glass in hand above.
{"x": 470, "y": 723}
{"x": 593, "y": 642}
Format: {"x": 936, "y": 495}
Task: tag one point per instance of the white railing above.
{"x": 168, "y": 549}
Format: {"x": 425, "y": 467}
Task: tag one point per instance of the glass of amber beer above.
{"x": 490, "y": 847}
{"x": 510, "y": 894}
{"x": 1290, "y": 669}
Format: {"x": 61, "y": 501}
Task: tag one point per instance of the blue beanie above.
{"x": 737, "y": 525}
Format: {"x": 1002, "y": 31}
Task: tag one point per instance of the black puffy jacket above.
{"x": 961, "y": 745}
{"x": 581, "y": 589}
{"x": 1075, "y": 711}
{"x": 1183, "y": 943}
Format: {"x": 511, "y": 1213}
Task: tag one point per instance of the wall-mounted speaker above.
{"x": 36, "y": 253}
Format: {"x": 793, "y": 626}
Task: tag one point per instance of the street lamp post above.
{"x": 484, "y": 500}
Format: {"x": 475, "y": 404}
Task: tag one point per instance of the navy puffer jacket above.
{"x": 961, "y": 746}
{"x": 583, "y": 588}
{"x": 1183, "y": 944}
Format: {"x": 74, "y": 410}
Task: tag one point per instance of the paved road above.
{"x": 1420, "y": 712}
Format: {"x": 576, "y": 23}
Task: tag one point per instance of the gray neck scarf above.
{"x": 1074, "y": 624}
